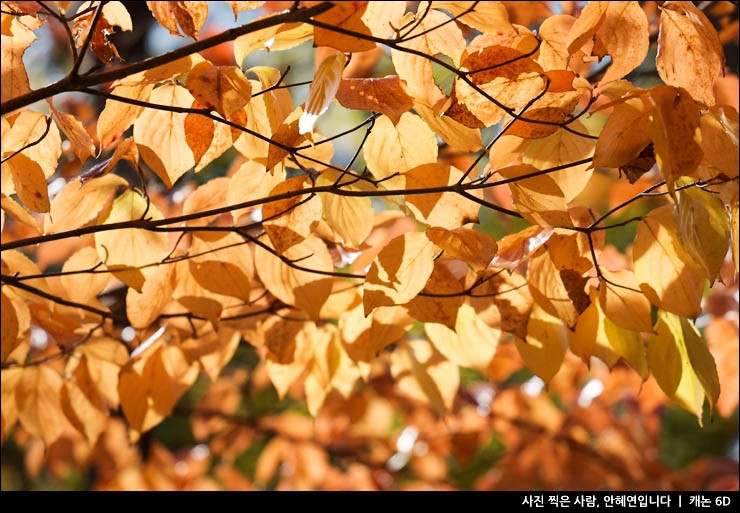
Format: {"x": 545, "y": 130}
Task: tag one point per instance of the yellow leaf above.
{"x": 104, "y": 358}
{"x": 117, "y": 116}
{"x": 539, "y": 198}
{"x": 472, "y": 344}
{"x": 719, "y": 139}
{"x": 617, "y": 29}
{"x": 395, "y": 149}
{"x": 275, "y": 39}
{"x": 287, "y": 136}
{"x": 285, "y": 369}
{"x": 14, "y": 78}
{"x": 348, "y": 216}
{"x": 222, "y": 263}
{"x": 544, "y": 349}
{"x": 682, "y": 364}
{"x": 238, "y": 7}
{"x": 251, "y": 182}
{"x": 443, "y": 209}
{"x": 82, "y": 143}
{"x": 675, "y": 131}
{"x": 560, "y": 293}
{"x": 703, "y": 228}
{"x": 690, "y": 54}
{"x": 322, "y": 91}
{"x": 214, "y": 351}
{"x": 142, "y": 308}
{"x": 562, "y": 148}
{"x": 424, "y": 374}
{"x": 509, "y": 77}
{"x": 301, "y": 288}
{"x": 364, "y": 337}
{"x": 83, "y": 404}
{"x": 10, "y": 378}
{"x": 432, "y": 35}
{"x": 130, "y": 249}
{"x": 19, "y": 213}
{"x": 483, "y": 16}
{"x": 10, "y": 327}
{"x": 665, "y": 271}
{"x": 160, "y": 135}
{"x": 503, "y": 302}
{"x": 222, "y": 88}
{"x": 150, "y": 386}
{"x": 471, "y": 246}
{"x": 622, "y": 304}
{"x": 26, "y": 128}
{"x": 441, "y": 297}
{"x": 265, "y": 114}
{"x": 83, "y": 287}
{"x": 290, "y": 221}
{"x": 78, "y": 204}
{"x": 39, "y": 409}
{"x": 399, "y": 272}
{"x": 596, "y": 335}
{"x": 457, "y": 135}
{"x": 554, "y": 48}
{"x": 29, "y": 182}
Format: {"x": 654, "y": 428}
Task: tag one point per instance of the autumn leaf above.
{"x": 678, "y": 288}
{"x": 690, "y": 54}
{"x": 322, "y": 91}
{"x": 445, "y": 210}
{"x": 431, "y": 36}
{"x": 304, "y": 289}
{"x": 14, "y": 44}
{"x": 386, "y": 95}
{"x": 391, "y": 150}
{"x": 617, "y": 29}
{"x": 682, "y": 364}
{"x": 399, "y": 272}
{"x": 223, "y": 88}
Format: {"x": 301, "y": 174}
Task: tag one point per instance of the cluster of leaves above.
{"x": 498, "y": 160}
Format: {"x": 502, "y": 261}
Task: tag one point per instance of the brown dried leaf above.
{"x": 386, "y": 95}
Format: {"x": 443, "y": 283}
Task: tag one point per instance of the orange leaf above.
{"x": 346, "y": 15}
{"x": 301, "y": 288}
{"x": 674, "y": 132}
{"x": 690, "y": 54}
{"x": 14, "y": 78}
{"x": 222, "y": 88}
{"x": 471, "y": 246}
{"x": 222, "y": 263}
{"x": 83, "y": 404}
{"x": 290, "y": 221}
{"x": 386, "y": 95}
{"x": 395, "y": 149}
{"x": 76, "y": 205}
{"x": 399, "y": 272}
{"x": 617, "y": 29}
{"x": 10, "y": 339}
{"x": 160, "y": 135}
{"x": 432, "y": 35}
{"x": 39, "y": 409}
